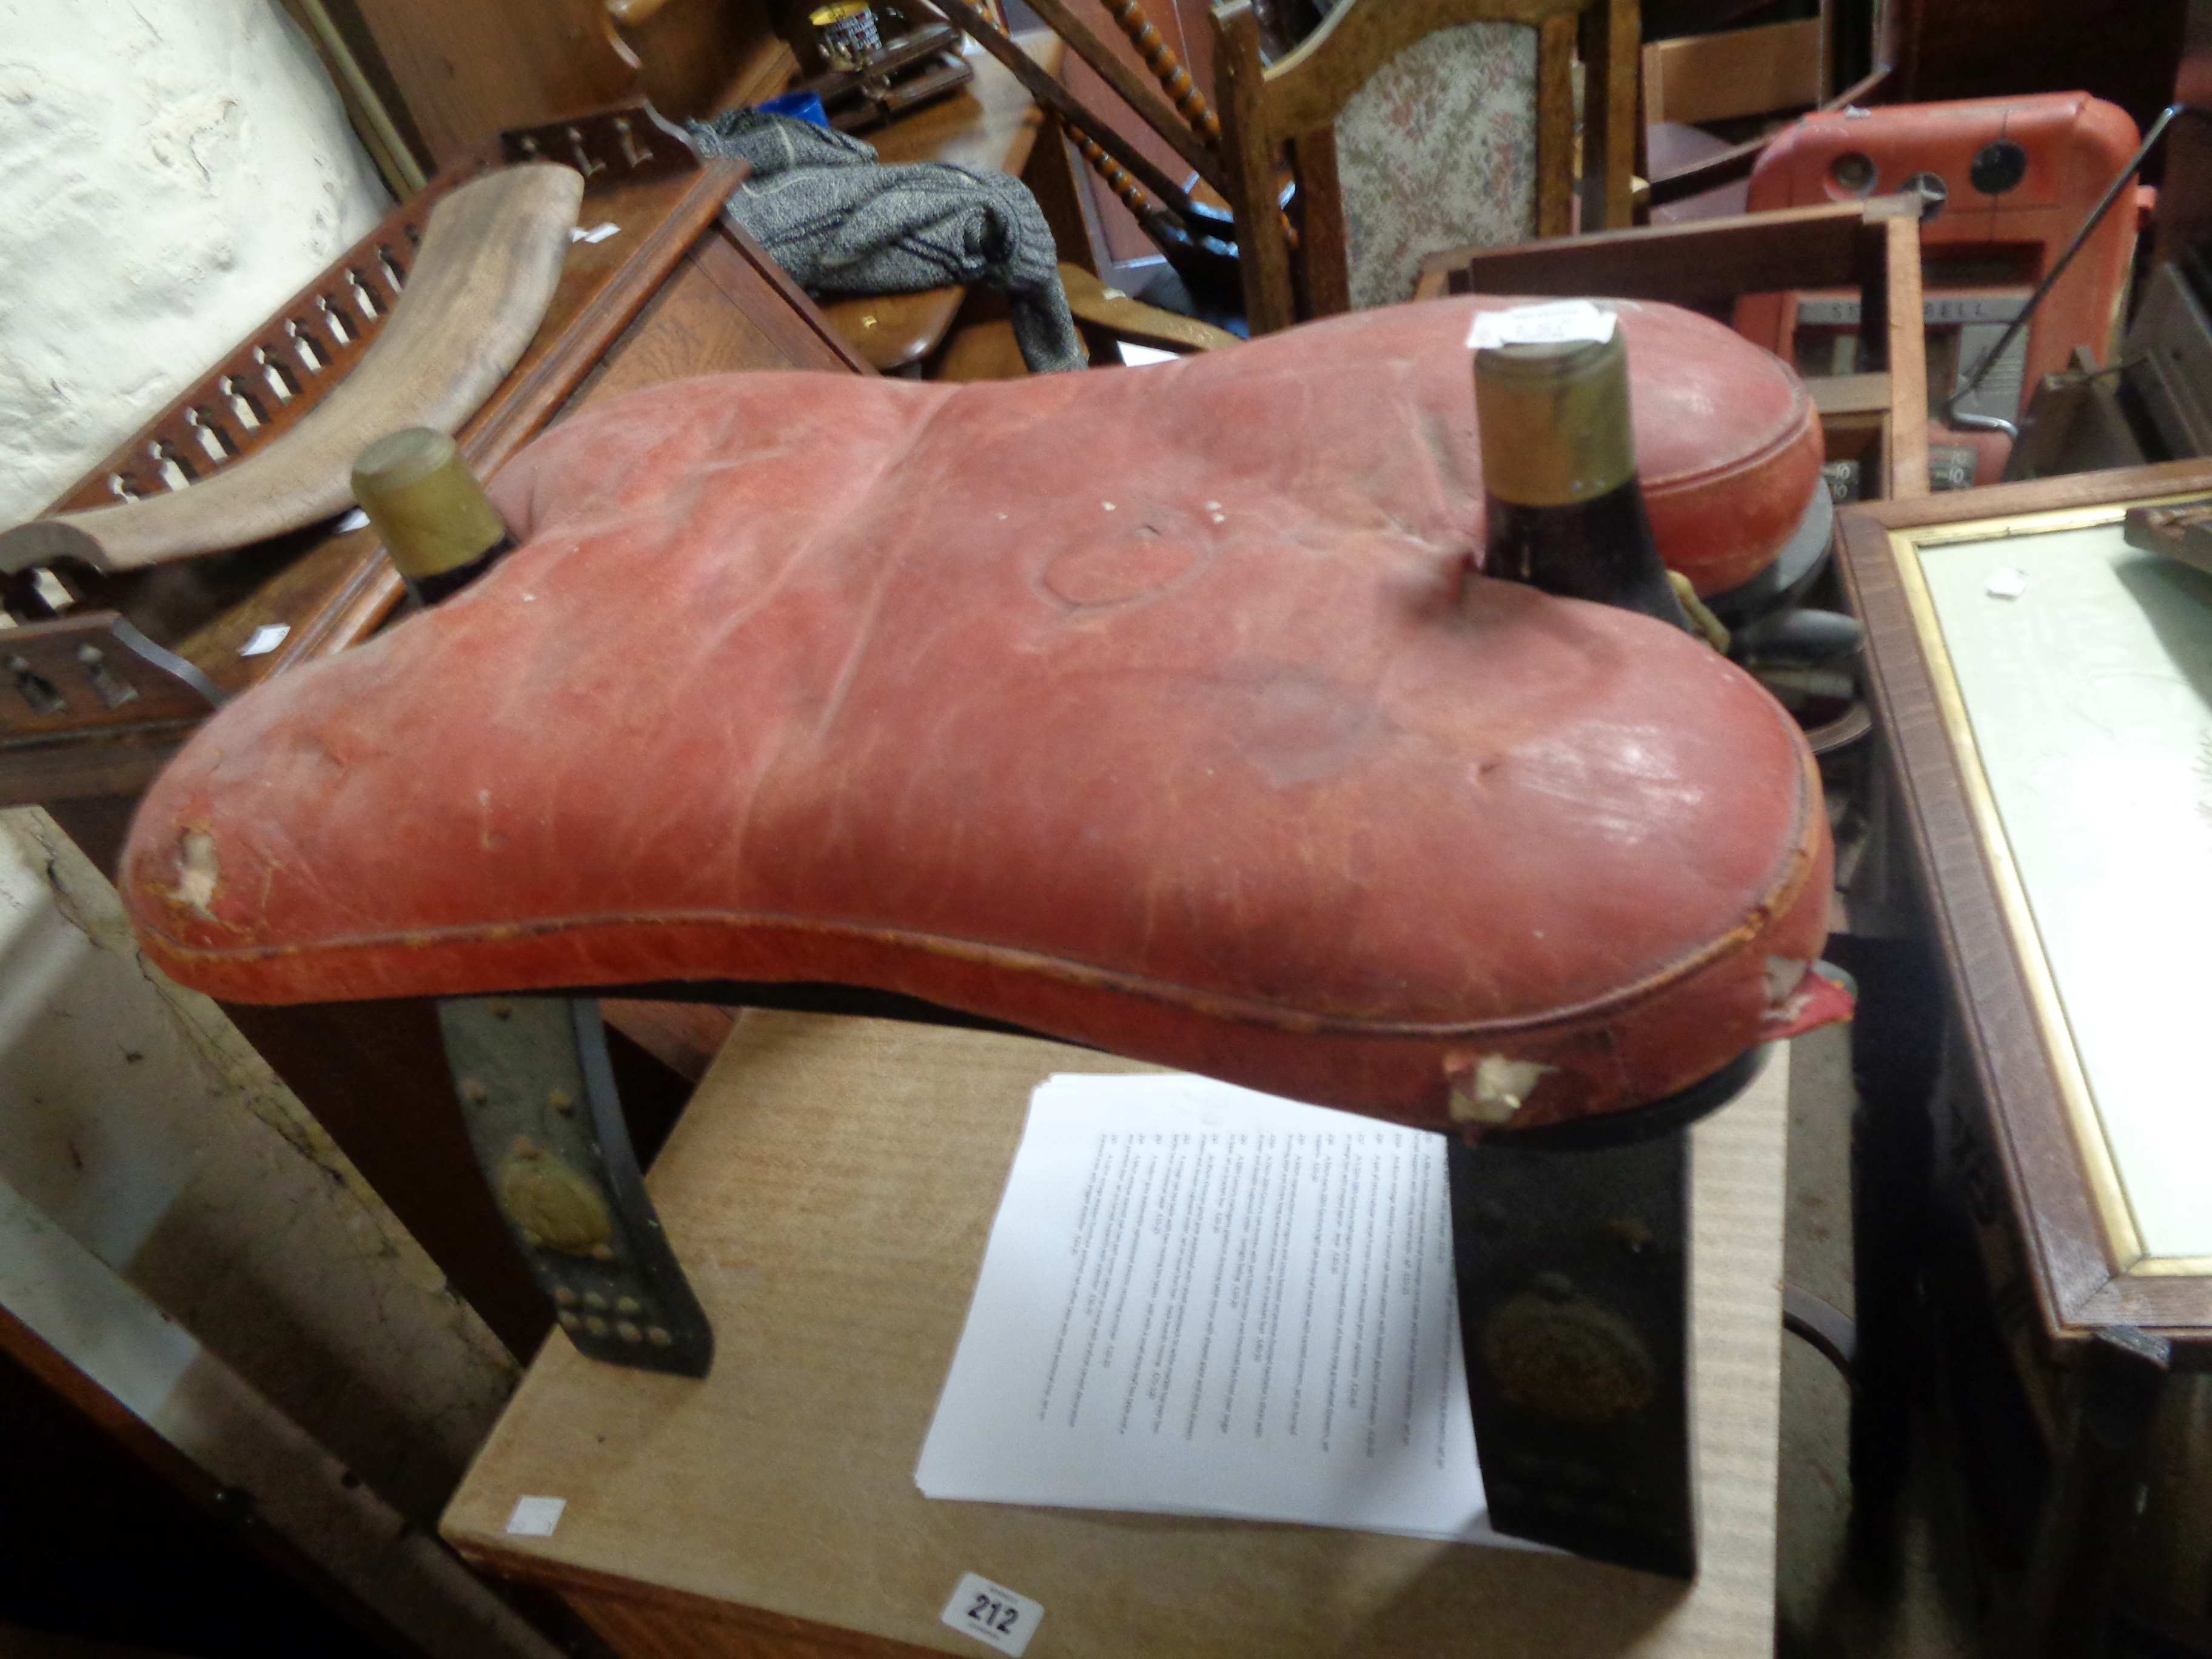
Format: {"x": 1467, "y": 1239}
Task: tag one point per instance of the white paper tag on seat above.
{"x": 992, "y": 1614}
{"x": 1544, "y": 324}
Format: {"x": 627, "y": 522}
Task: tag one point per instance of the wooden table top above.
{"x": 2045, "y": 696}
{"x": 990, "y": 124}
{"x": 830, "y": 1190}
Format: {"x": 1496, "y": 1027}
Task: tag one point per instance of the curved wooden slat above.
{"x": 1737, "y": 160}
{"x": 1132, "y": 320}
{"x": 476, "y": 292}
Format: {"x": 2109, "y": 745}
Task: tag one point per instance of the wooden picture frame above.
{"x": 2090, "y": 1267}
{"x": 1878, "y": 420}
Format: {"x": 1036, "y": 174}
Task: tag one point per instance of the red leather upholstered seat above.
{"x": 1156, "y": 710}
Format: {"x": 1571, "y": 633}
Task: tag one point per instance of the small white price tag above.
{"x": 266, "y": 638}
{"x": 1544, "y": 324}
{"x": 536, "y": 1517}
{"x": 992, "y": 1614}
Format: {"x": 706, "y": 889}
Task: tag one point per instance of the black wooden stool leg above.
{"x": 1574, "y": 1300}
{"x": 1897, "y": 1040}
{"x": 538, "y": 1098}
{"x": 2086, "y": 1534}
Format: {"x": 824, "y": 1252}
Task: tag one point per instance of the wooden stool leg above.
{"x": 1572, "y": 1248}
{"x": 1896, "y": 1043}
{"x": 2089, "y": 1522}
{"x": 537, "y": 1096}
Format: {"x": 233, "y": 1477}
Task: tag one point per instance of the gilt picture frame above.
{"x": 1969, "y": 597}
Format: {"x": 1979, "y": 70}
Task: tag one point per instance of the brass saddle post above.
{"x": 537, "y": 1096}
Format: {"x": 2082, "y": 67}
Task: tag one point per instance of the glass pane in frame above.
{"x": 2079, "y": 676}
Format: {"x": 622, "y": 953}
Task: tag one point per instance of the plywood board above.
{"x": 830, "y": 1190}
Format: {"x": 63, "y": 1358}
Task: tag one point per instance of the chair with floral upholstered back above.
{"x": 1412, "y": 125}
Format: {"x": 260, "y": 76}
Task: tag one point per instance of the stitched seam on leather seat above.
{"x": 1682, "y": 483}
{"x": 1784, "y": 886}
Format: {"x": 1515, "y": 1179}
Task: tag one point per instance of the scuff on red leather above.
{"x": 1152, "y": 708}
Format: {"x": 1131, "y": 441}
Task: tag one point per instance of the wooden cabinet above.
{"x": 465, "y": 70}
{"x": 2043, "y": 693}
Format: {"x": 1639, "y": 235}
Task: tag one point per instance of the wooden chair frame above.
{"x": 1294, "y": 103}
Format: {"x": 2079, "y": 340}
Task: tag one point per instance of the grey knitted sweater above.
{"x": 842, "y": 222}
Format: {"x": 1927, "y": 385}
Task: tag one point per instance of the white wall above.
{"x": 170, "y": 171}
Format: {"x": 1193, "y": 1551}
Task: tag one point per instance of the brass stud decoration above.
{"x": 552, "y": 1204}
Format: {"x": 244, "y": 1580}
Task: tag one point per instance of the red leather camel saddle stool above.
{"x": 1159, "y": 711}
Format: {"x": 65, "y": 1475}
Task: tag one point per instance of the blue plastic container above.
{"x": 804, "y": 106}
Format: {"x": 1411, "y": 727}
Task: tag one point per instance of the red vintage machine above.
{"x": 2008, "y": 182}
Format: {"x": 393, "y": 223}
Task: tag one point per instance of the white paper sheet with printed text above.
{"x": 1197, "y": 1299}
